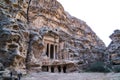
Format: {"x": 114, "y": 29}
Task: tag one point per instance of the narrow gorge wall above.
{"x": 113, "y": 50}
{"x": 52, "y": 39}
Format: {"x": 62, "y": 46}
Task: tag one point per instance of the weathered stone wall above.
{"x": 13, "y": 38}
{"x": 22, "y": 43}
{"x": 113, "y": 50}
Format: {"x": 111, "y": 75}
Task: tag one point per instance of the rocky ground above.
{"x": 72, "y": 76}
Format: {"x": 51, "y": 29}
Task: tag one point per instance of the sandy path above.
{"x": 72, "y": 76}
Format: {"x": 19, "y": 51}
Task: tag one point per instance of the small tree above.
{"x": 29, "y": 50}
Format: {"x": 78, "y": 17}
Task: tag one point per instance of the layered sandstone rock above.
{"x": 52, "y": 39}
{"x": 113, "y": 49}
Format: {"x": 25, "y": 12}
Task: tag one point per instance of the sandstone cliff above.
{"x": 34, "y": 36}
{"x": 113, "y": 50}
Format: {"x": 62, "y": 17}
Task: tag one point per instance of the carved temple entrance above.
{"x": 55, "y": 68}
{"x": 51, "y": 51}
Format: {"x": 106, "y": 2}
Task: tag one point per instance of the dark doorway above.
{"x": 51, "y": 51}
{"x": 45, "y": 68}
{"x": 56, "y": 52}
{"x": 64, "y": 69}
{"x": 59, "y": 68}
{"x": 52, "y": 69}
{"x": 47, "y": 50}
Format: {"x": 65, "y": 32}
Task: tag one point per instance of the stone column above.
{"x": 54, "y": 52}
{"x": 56, "y": 69}
{"x": 49, "y": 68}
{"x": 68, "y": 55}
{"x": 61, "y": 69}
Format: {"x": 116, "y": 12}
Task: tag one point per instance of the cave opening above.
{"x": 52, "y": 69}
{"x": 64, "y": 69}
{"x": 47, "y": 50}
{"x": 59, "y": 68}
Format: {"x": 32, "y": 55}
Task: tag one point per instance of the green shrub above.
{"x": 98, "y": 67}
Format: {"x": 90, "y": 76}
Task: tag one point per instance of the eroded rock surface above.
{"x": 113, "y": 49}
{"x": 52, "y": 39}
